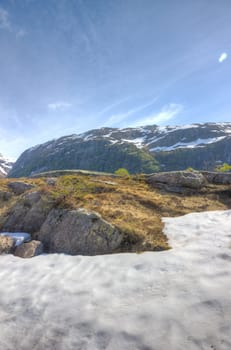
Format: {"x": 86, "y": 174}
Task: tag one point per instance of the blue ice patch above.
{"x": 18, "y": 237}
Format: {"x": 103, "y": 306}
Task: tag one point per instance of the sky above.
{"x": 67, "y": 66}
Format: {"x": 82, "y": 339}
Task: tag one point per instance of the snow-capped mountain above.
{"x": 200, "y": 146}
{"x": 161, "y": 138}
{"x": 5, "y": 166}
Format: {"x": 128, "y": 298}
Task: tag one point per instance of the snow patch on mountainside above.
{"x": 5, "y": 166}
{"x": 192, "y": 144}
{"x": 165, "y": 129}
{"x": 138, "y": 142}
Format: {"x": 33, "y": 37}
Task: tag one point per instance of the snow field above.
{"x": 176, "y": 299}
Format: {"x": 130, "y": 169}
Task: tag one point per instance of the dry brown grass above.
{"x": 130, "y": 204}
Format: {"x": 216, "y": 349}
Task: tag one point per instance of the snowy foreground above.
{"x": 177, "y": 299}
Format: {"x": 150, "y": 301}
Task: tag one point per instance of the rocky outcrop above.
{"x": 28, "y": 214}
{"x": 177, "y": 181}
{"x": 7, "y": 244}
{"x": 217, "y": 178}
{"x": 19, "y": 187}
{"x": 29, "y": 250}
{"x": 78, "y": 232}
{"x": 62, "y": 230}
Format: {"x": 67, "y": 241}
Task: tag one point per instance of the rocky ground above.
{"x": 90, "y": 214}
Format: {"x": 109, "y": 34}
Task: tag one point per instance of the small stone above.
{"x": 29, "y": 250}
{"x": 6, "y": 245}
{"x": 51, "y": 181}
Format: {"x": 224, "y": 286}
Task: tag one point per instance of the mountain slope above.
{"x": 201, "y": 146}
{"x": 73, "y": 152}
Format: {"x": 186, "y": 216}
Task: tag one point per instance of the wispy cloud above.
{"x": 4, "y": 19}
{"x": 223, "y": 57}
{"x": 59, "y": 105}
{"x": 110, "y": 107}
{"x": 7, "y": 25}
{"x": 119, "y": 117}
{"x": 167, "y": 113}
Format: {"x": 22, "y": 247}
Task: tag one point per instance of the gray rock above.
{"x": 19, "y": 187}
{"x": 28, "y": 214}
{"x": 175, "y": 180}
{"x": 5, "y": 196}
{"x": 217, "y": 178}
{"x": 7, "y": 244}
{"x": 78, "y": 232}
{"x": 29, "y": 250}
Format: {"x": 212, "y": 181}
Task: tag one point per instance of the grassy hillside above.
{"x": 129, "y": 203}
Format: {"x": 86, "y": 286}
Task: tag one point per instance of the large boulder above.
{"x": 217, "y": 178}
{"x": 19, "y": 187}
{"x": 7, "y": 244}
{"x": 29, "y": 250}
{"x": 175, "y": 181}
{"x": 78, "y": 232}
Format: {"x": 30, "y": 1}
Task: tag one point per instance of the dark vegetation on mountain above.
{"x": 139, "y": 150}
{"x": 98, "y": 154}
{"x": 206, "y": 158}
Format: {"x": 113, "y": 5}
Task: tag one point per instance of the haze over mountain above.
{"x": 141, "y": 150}
{"x": 71, "y": 65}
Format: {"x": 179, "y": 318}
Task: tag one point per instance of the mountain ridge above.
{"x": 140, "y": 149}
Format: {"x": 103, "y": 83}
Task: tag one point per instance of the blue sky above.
{"x": 67, "y": 66}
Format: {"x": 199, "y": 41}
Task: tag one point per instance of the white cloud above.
{"x": 167, "y": 112}
{"x": 7, "y": 25}
{"x": 223, "y": 57}
{"x": 4, "y": 19}
{"x": 59, "y": 105}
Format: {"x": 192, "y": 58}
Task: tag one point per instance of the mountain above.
{"x": 5, "y": 166}
{"x": 86, "y": 152}
{"x": 144, "y": 149}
